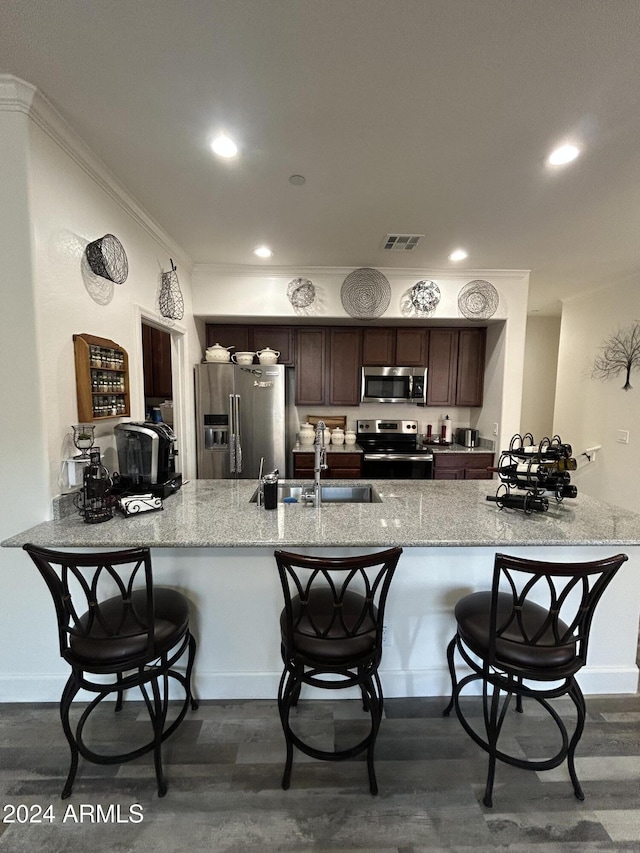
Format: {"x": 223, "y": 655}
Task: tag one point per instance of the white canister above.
{"x": 350, "y": 437}
{"x": 307, "y": 434}
{"x": 268, "y": 356}
{"x": 337, "y": 436}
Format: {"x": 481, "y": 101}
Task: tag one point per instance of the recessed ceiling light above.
{"x": 458, "y": 255}
{"x": 263, "y": 251}
{"x": 563, "y": 154}
{"x": 224, "y": 146}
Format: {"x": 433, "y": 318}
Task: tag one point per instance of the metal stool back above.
{"x": 527, "y": 637}
{"x": 117, "y": 631}
{"x": 331, "y": 631}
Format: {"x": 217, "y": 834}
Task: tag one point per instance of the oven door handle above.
{"x": 397, "y": 457}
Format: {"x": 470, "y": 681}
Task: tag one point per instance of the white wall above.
{"x": 55, "y": 198}
{"x": 540, "y": 370}
{"x": 234, "y": 294}
{"x": 70, "y": 206}
{"x": 590, "y": 411}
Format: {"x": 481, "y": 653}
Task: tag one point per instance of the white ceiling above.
{"x": 415, "y": 116}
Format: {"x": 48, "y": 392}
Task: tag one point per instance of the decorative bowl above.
{"x": 243, "y": 357}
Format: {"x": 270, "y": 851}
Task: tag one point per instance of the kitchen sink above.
{"x": 363, "y": 493}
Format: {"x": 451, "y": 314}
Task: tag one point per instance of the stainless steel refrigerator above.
{"x": 240, "y": 418}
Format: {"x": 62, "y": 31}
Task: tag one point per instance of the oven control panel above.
{"x": 388, "y": 427}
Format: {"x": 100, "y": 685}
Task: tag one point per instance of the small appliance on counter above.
{"x": 467, "y": 437}
{"x": 93, "y": 501}
{"x": 146, "y": 457}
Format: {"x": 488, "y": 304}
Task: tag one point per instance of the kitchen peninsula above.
{"x": 216, "y": 546}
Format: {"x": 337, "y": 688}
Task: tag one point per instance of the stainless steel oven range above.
{"x": 392, "y": 452}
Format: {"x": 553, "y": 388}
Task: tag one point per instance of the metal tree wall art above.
{"x": 620, "y": 354}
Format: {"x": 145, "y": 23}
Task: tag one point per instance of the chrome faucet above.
{"x": 320, "y": 462}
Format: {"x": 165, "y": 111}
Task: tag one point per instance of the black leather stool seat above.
{"x": 133, "y": 640}
{"x": 516, "y": 646}
{"x": 120, "y": 635}
{"x": 324, "y": 633}
{"x": 512, "y": 646}
{"x": 331, "y": 632}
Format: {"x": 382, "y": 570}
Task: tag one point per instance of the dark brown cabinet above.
{"x": 340, "y": 466}
{"x": 328, "y": 358}
{"x": 328, "y": 366}
{"x": 379, "y": 347}
{"x": 228, "y": 336}
{"x": 462, "y": 466}
{"x": 456, "y": 367}
{"x": 470, "y": 376}
{"x": 442, "y": 364}
{"x": 279, "y": 338}
{"x": 156, "y": 351}
{"x": 311, "y": 366}
{"x": 254, "y": 339}
{"x": 345, "y": 358}
{"x": 388, "y": 347}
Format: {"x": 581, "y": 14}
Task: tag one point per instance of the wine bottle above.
{"x": 548, "y": 473}
{"x": 527, "y": 502}
{"x": 567, "y": 491}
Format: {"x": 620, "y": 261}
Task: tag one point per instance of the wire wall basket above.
{"x": 365, "y": 293}
{"x": 478, "y": 300}
{"x": 108, "y": 259}
{"x": 171, "y": 300}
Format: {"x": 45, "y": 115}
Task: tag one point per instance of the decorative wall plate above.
{"x": 365, "y": 293}
{"x": 301, "y": 292}
{"x": 478, "y": 300}
{"x": 424, "y": 297}
{"x": 108, "y": 259}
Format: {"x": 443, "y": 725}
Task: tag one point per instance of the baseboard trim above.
{"x": 260, "y": 685}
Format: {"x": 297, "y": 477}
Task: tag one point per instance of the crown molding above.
{"x": 257, "y": 271}
{"x": 16, "y": 95}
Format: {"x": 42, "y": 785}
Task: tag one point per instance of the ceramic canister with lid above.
{"x": 350, "y": 437}
{"x": 337, "y": 436}
{"x": 307, "y": 434}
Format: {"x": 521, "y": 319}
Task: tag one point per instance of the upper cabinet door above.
{"x": 345, "y": 357}
{"x": 279, "y": 338}
{"x": 441, "y": 379}
{"x": 311, "y": 367}
{"x": 470, "y": 380}
{"x": 411, "y": 347}
{"x": 236, "y": 336}
{"x": 379, "y": 347}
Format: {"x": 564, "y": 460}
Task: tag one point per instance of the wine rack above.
{"x": 102, "y": 378}
{"x": 531, "y": 473}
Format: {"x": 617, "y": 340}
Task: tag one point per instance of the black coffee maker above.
{"x": 147, "y": 460}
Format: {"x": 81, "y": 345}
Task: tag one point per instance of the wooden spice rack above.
{"x": 102, "y": 378}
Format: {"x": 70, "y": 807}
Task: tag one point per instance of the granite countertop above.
{"x": 355, "y": 448}
{"x": 419, "y": 513}
{"x": 330, "y": 448}
{"x": 459, "y": 448}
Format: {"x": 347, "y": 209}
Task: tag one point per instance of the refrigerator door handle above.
{"x": 232, "y": 436}
{"x": 238, "y": 437}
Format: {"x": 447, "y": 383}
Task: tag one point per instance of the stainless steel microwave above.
{"x": 394, "y": 385}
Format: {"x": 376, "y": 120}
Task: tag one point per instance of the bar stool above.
{"x": 331, "y": 631}
{"x": 527, "y": 637}
{"x": 116, "y": 637}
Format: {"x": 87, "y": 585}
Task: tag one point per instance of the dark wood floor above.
{"x": 224, "y": 768}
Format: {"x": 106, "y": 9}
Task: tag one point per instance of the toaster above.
{"x": 467, "y": 437}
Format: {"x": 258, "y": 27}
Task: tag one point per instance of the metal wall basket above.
{"x": 108, "y": 259}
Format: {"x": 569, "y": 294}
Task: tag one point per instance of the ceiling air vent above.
{"x": 401, "y": 242}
